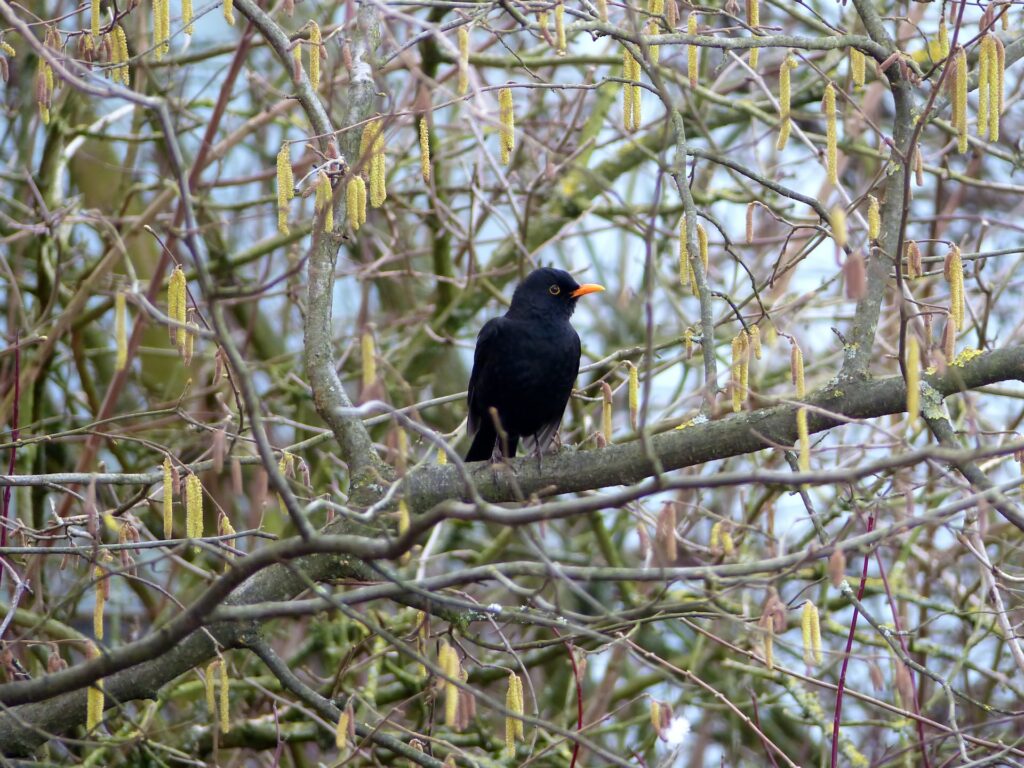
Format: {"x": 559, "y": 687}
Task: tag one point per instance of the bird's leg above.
{"x": 497, "y": 455}
{"x": 538, "y": 451}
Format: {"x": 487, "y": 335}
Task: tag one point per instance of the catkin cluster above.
{"x": 161, "y": 28}
{"x": 992, "y": 66}
{"x": 740, "y": 369}
{"x": 372, "y": 148}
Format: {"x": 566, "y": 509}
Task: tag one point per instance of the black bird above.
{"x": 525, "y": 366}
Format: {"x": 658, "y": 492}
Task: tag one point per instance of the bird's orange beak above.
{"x": 586, "y": 288}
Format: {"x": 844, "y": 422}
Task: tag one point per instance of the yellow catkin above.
{"x": 378, "y": 189}
{"x": 372, "y": 148}
{"x": 190, "y": 343}
{"x": 1000, "y": 78}
{"x": 728, "y": 545}
{"x": 955, "y": 276}
{"x": 120, "y": 54}
{"x": 187, "y": 15}
{"x": 810, "y": 629}
{"x": 101, "y": 600}
{"x": 755, "y": 341}
{"x": 634, "y": 394}
{"x": 315, "y": 42}
{"x": 341, "y": 732}
{"x": 94, "y": 697}
{"x": 785, "y": 91}
{"x": 715, "y": 539}
{"x": 560, "y": 44}
{"x": 507, "y": 118}
{"x": 449, "y": 662}
{"x": 839, "y": 226}
{"x": 745, "y": 364}
{"x": 94, "y": 706}
{"x": 857, "y": 67}
{"x": 602, "y": 10}
{"x": 740, "y": 362}
{"x": 285, "y": 187}
{"x": 162, "y": 46}
{"x": 463, "y": 84}
{"x": 984, "y": 91}
{"x": 442, "y": 457}
{"x": 193, "y": 507}
{"x": 43, "y": 89}
{"x": 120, "y": 331}
{"x": 168, "y": 489}
{"x": 769, "y": 657}
{"x": 874, "y": 218}
{"x": 94, "y": 10}
{"x": 637, "y": 96}
{"x": 656, "y": 715}
{"x": 796, "y": 368}
{"x": 653, "y": 51}
{"x": 542, "y": 20}
{"x": 960, "y": 98}
{"x": 176, "y": 301}
{"x": 828, "y": 106}
{"x": 425, "y": 150}
{"x": 606, "y": 412}
{"x": 7, "y": 49}
{"x": 324, "y": 202}
{"x": 210, "y": 686}
{"x": 692, "y": 51}
{"x": 702, "y": 247}
{"x": 514, "y": 704}
{"x": 656, "y": 9}
{"x": 913, "y": 378}
{"x": 368, "y": 351}
{"x": 229, "y": 11}
{"x": 631, "y": 94}
{"x": 355, "y": 196}
{"x": 753, "y": 21}
{"x": 996, "y": 64}
{"x": 224, "y": 711}
{"x": 943, "y": 38}
{"x": 684, "y": 253}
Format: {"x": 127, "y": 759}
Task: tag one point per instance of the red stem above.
{"x": 903, "y": 644}
{"x": 12, "y": 463}
{"x": 837, "y": 716}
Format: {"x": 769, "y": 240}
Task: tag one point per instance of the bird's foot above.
{"x": 498, "y": 460}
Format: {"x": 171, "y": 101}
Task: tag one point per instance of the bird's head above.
{"x": 551, "y": 292}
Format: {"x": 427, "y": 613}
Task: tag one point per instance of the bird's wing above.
{"x": 487, "y": 342}
{"x": 539, "y": 441}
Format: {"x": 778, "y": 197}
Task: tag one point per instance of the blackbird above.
{"x": 525, "y": 365}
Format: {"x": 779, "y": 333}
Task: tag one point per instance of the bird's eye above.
{"x": 554, "y": 290}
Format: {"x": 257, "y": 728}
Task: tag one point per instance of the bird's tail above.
{"x": 483, "y": 442}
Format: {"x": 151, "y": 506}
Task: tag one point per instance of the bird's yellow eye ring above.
{"x": 554, "y": 290}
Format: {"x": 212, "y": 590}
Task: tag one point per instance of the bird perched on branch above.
{"x": 524, "y": 367}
